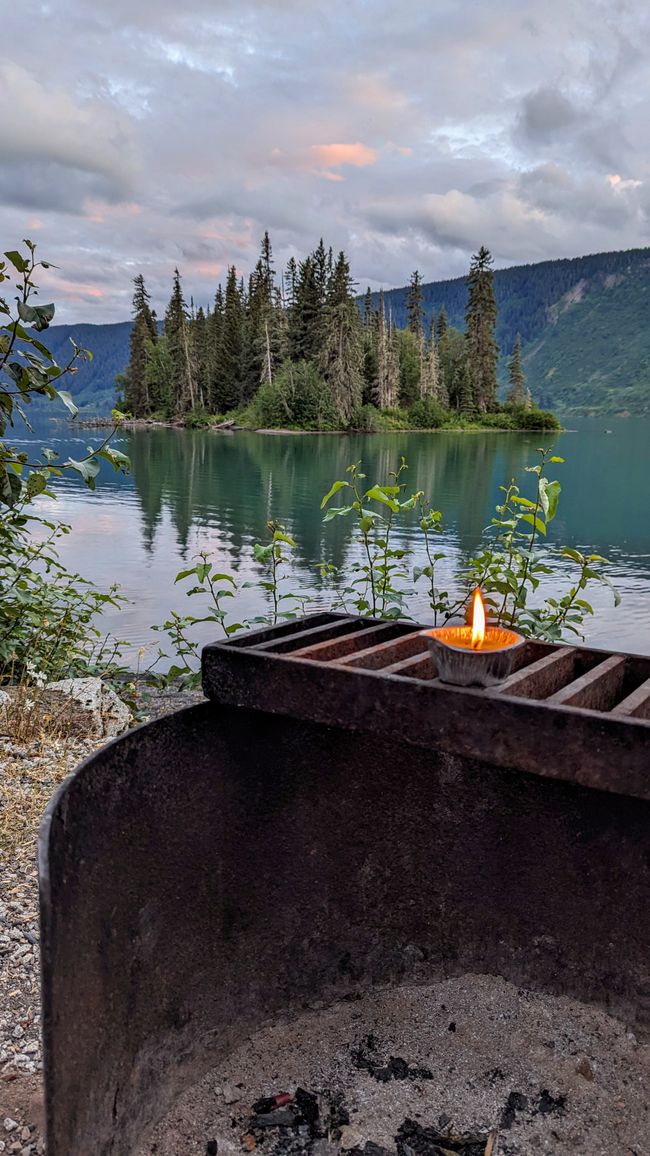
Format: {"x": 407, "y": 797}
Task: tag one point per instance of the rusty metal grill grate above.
{"x": 566, "y": 711}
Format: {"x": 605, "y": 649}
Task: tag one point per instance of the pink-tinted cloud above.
{"x": 334, "y": 156}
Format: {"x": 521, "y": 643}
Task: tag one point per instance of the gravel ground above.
{"x": 468, "y": 1056}
{"x": 30, "y": 771}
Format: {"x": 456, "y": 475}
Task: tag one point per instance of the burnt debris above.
{"x": 365, "y": 1057}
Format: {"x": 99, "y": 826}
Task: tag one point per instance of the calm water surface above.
{"x": 195, "y": 490}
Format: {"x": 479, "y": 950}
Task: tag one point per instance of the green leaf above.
{"x": 26, "y": 313}
{"x": 377, "y": 494}
{"x": 337, "y": 512}
{"x": 279, "y": 536}
{"x": 10, "y": 487}
{"x": 17, "y": 260}
{"x": 556, "y": 459}
{"x": 261, "y": 553}
{"x": 44, "y": 314}
{"x": 118, "y": 460}
{"x": 36, "y": 483}
{"x": 67, "y": 401}
{"x": 184, "y": 574}
{"x": 88, "y": 469}
{"x": 549, "y": 496}
{"x": 575, "y": 555}
{"x": 532, "y": 520}
{"x": 334, "y": 490}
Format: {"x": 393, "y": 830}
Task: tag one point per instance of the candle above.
{"x": 475, "y": 654}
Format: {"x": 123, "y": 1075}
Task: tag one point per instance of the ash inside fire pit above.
{"x": 466, "y": 1067}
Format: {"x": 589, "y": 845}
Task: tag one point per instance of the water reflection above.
{"x": 193, "y": 490}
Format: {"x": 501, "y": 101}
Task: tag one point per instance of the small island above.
{"x": 302, "y": 352}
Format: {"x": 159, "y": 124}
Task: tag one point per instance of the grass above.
{"x": 38, "y": 749}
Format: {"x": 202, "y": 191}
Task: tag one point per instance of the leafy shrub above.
{"x": 198, "y": 418}
{"x": 427, "y": 414}
{"x": 365, "y": 419}
{"x": 47, "y": 613}
{"x": 535, "y": 419}
{"x": 297, "y": 396}
{"x": 502, "y": 419}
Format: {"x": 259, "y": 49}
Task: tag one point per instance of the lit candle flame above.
{"x": 478, "y": 620}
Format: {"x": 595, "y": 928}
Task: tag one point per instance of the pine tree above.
{"x": 290, "y": 282}
{"x": 214, "y": 327}
{"x": 159, "y": 377}
{"x": 386, "y": 385}
{"x": 518, "y": 394}
{"x": 370, "y": 348}
{"x": 143, "y": 333}
{"x": 415, "y": 320}
{"x": 341, "y": 359}
{"x": 441, "y": 325}
{"x": 465, "y": 390}
{"x": 480, "y": 319}
{"x": 177, "y": 332}
{"x": 229, "y": 370}
{"x": 200, "y": 355}
{"x": 306, "y": 314}
{"x": 431, "y": 384}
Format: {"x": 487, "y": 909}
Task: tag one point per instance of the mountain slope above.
{"x": 584, "y": 325}
{"x": 93, "y": 386}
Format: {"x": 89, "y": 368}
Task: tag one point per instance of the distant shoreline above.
{"x": 233, "y": 428}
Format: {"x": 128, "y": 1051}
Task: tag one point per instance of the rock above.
{"x": 98, "y": 710}
{"x": 10, "y": 1125}
{"x": 351, "y": 1137}
{"x": 230, "y": 1094}
{"x": 584, "y": 1068}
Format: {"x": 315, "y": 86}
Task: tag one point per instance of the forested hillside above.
{"x": 93, "y": 387}
{"x": 583, "y": 324}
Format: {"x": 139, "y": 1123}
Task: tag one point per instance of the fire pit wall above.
{"x": 217, "y": 867}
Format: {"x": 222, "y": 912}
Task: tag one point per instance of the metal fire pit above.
{"x": 339, "y": 819}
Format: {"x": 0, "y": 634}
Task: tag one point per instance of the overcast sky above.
{"x": 136, "y": 135}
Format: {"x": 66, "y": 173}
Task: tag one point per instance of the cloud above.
{"x": 142, "y": 136}
{"x": 336, "y": 155}
{"x": 46, "y": 127}
{"x": 546, "y": 112}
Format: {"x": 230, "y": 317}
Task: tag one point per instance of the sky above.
{"x": 140, "y": 135}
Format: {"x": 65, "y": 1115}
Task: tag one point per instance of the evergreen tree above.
{"x": 177, "y": 332}
{"x": 229, "y": 369}
{"x": 441, "y": 325}
{"x": 452, "y": 355}
{"x": 137, "y": 398}
{"x": 159, "y": 377}
{"x": 386, "y": 383}
{"x": 290, "y": 282}
{"x": 410, "y": 366}
{"x": 322, "y": 270}
{"x": 431, "y": 384}
{"x": 370, "y": 348}
{"x": 518, "y": 394}
{"x": 215, "y": 328}
{"x": 480, "y": 320}
{"x": 200, "y": 355}
{"x": 341, "y": 358}
{"x": 465, "y": 390}
{"x": 306, "y": 314}
{"x": 415, "y": 321}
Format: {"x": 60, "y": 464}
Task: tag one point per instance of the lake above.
{"x": 216, "y": 491}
